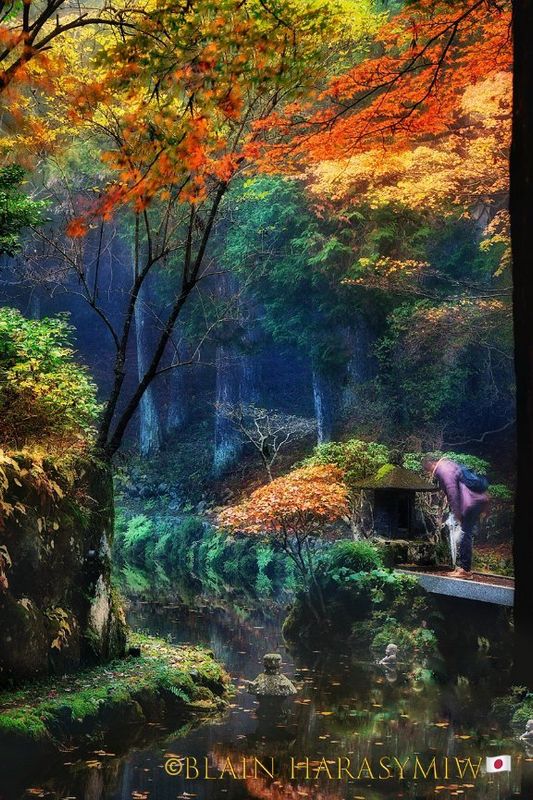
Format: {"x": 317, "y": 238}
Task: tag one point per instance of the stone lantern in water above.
{"x": 271, "y": 683}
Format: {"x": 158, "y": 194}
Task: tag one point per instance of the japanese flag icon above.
{"x": 498, "y": 764}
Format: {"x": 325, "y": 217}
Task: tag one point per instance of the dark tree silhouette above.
{"x": 521, "y": 205}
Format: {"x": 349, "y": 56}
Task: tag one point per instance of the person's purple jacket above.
{"x": 460, "y": 498}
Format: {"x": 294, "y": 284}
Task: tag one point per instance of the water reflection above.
{"x": 347, "y": 710}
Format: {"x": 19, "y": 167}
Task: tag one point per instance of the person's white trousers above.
{"x": 455, "y": 532}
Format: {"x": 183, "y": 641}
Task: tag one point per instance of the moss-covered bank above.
{"x": 164, "y": 682}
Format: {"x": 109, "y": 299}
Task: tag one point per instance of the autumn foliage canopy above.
{"x": 425, "y": 58}
{"x": 404, "y": 110}
{"x": 298, "y": 502}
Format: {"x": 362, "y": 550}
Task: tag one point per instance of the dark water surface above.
{"x": 346, "y": 710}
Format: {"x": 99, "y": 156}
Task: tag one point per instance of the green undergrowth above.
{"x": 165, "y": 680}
{"x": 515, "y": 708}
{"x": 364, "y": 603}
{"x": 161, "y": 551}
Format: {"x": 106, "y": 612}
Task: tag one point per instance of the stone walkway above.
{"x": 483, "y": 588}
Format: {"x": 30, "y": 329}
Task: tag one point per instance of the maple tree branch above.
{"x": 89, "y": 297}
{"x": 483, "y": 435}
{"x": 111, "y": 446}
{"x": 414, "y": 64}
{"x": 31, "y": 30}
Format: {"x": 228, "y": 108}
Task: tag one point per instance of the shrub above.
{"x": 265, "y": 558}
{"x": 18, "y": 210}
{"x": 143, "y": 539}
{"x": 362, "y": 601}
{"x": 515, "y": 707}
{"x": 360, "y": 556}
{"x": 138, "y": 532}
{"x": 415, "y": 461}
{"x": 355, "y": 458}
{"x": 181, "y": 540}
{"x": 411, "y": 642}
{"x": 44, "y": 391}
{"x": 524, "y": 711}
{"x": 190, "y": 548}
{"x": 500, "y": 492}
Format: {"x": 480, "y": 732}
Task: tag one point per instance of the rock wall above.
{"x": 57, "y": 608}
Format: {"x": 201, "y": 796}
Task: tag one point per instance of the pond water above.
{"x": 346, "y": 710}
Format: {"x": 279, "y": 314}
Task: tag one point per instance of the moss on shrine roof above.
{"x": 391, "y": 477}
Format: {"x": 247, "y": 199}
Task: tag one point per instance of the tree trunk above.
{"x": 323, "y": 402}
{"x": 521, "y": 206}
{"x": 361, "y": 340}
{"x": 249, "y": 388}
{"x": 149, "y": 425}
{"x": 178, "y": 408}
{"x": 361, "y": 367}
{"x": 227, "y": 441}
{"x": 250, "y": 377}
{"x": 268, "y": 466}
{"x": 35, "y": 305}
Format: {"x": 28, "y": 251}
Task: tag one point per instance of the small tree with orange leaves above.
{"x": 292, "y": 511}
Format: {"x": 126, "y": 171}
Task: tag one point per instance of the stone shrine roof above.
{"x": 391, "y": 477}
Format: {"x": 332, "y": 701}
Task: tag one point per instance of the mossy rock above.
{"x": 152, "y": 705}
{"x": 24, "y": 639}
{"x": 58, "y": 612}
{"x": 406, "y": 551}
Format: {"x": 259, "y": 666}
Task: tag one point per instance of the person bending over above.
{"x": 467, "y": 499}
